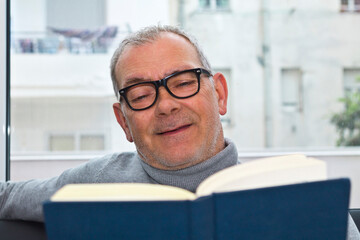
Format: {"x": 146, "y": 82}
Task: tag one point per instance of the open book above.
{"x": 272, "y": 198}
{"x": 259, "y": 173}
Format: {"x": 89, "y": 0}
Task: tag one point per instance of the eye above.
{"x": 141, "y": 93}
{"x": 139, "y": 98}
{"x": 185, "y": 83}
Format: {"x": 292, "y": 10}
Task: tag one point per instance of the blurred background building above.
{"x": 287, "y": 63}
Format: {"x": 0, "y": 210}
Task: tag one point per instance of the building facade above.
{"x": 287, "y": 63}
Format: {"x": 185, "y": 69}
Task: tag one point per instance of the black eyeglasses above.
{"x": 184, "y": 84}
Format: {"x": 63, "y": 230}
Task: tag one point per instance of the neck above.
{"x": 190, "y": 177}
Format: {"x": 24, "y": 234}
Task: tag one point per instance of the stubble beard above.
{"x": 168, "y": 161}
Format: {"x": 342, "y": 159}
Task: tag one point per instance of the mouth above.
{"x": 175, "y": 130}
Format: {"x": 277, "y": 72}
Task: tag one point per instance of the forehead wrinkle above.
{"x": 134, "y": 80}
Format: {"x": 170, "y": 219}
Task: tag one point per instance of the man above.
{"x": 174, "y": 123}
{"x": 169, "y": 106}
{"x": 175, "y": 126}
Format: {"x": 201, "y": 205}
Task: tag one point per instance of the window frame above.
{"x": 213, "y": 6}
{"x": 349, "y": 6}
{"x": 352, "y": 85}
{"x": 334, "y": 155}
{"x": 5, "y": 90}
{"x": 77, "y": 137}
{"x": 297, "y": 105}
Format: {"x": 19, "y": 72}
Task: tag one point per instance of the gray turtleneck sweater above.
{"x": 23, "y": 200}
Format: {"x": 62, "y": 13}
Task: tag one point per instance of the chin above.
{"x": 173, "y": 158}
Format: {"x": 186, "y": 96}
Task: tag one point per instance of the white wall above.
{"x": 61, "y": 75}
{"x": 28, "y": 16}
{"x": 80, "y": 14}
{"x": 62, "y": 94}
{"x": 321, "y": 41}
{"x": 230, "y": 39}
{"x": 137, "y": 13}
{"x": 313, "y": 36}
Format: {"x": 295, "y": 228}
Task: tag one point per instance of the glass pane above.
{"x": 61, "y": 143}
{"x": 274, "y": 54}
{"x": 222, "y": 3}
{"x": 204, "y": 3}
{"x": 92, "y": 143}
{"x": 61, "y": 53}
{"x": 290, "y": 86}
{"x": 352, "y": 79}
{"x": 61, "y": 91}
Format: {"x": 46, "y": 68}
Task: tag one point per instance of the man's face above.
{"x": 174, "y": 133}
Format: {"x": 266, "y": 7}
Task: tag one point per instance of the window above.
{"x": 76, "y": 142}
{"x": 92, "y": 142}
{"x": 34, "y": 117}
{"x": 351, "y": 80}
{"x": 62, "y": 143}
{"x": 350, "y": 5}
{"x": 60, "y": 82}
{"x": 291, "y": 89}
{"x": 61, "y": 93}
{"x": 214, "y": 4}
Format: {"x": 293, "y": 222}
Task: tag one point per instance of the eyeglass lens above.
{"x": 181, "y": 85}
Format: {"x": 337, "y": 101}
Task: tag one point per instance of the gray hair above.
{"x": 147, "y": 35}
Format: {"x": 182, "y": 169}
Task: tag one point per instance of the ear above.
{"x": 120, "y": 117}
{"x": 221, "y": 92}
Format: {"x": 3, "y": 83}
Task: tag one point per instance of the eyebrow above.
{"x": 180, "y": 69}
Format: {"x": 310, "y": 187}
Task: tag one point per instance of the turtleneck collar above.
{"x": 189, "y": 178}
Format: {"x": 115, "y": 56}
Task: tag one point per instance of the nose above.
{"x": 166, "y": 104}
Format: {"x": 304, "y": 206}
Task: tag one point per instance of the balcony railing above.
{"x": 72, "y": 41}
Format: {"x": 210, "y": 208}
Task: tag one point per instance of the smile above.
{"x": 176, "y": 130}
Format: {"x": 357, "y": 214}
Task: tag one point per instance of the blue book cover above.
{"x": 314, "y": 210}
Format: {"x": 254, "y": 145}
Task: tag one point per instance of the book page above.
{"x": 121, "y": 192}
{"x": 265, "y": 172}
